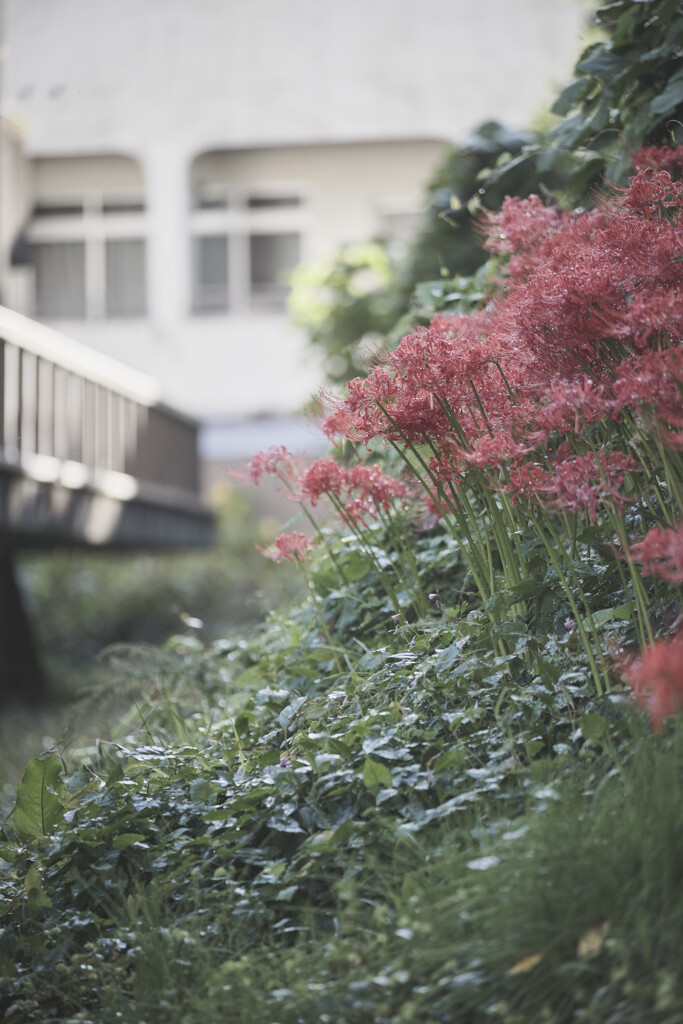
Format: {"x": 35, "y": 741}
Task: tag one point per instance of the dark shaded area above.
{"x": 21, "y": 676}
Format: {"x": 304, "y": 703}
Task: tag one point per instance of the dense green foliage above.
{"x": 290, "y": 840}
{"x": 627, "y": 93}
{"x": 423, "y": 793}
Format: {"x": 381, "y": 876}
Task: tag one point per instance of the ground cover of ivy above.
{"x": 402, "y": 824}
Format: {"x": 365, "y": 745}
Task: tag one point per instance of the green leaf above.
{"x": 450, "y": 759}
{"x": 527, "y": 587}
{"x": 593, "y": 727}
{"x": 126, "y": 839}
{"x": 548, "y": 672}
{"x": 671, "y": 98}
{"x": 329, "y": 838}
{"x": 622, "y": 611}
{"x": 39, "y": 807}
{"x": 201, "y": 791}
{"x": 35, "y": 896}
{"x": 604, "y": 65}
{"x": 284, "y": 823}
{"x": 355, "y": 566}
{"x": 571, "y": 97}
{"x": 375, "y": 775}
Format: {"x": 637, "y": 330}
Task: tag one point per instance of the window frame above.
{"x": 94, "y": 227}
{"x": 232, "y": 215}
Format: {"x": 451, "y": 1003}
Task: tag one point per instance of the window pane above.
{"x": 126, "y": 278}
{"x": 211, "y": 274}
{"x": 269, "y": 202}
{"x": 272, "y": 256}
{"x": 60, "y": 279}
{"x": 207, "y": 197}
{"x": 58, "y": 210}
{"x": 114, "y": 206}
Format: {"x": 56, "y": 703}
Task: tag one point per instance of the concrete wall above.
{"x": 347, "y": 103}
{"x": 123, "y": 75}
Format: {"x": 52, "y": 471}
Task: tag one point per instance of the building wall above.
{"x": 347, "y": 106}
{"x": 123, "y": 75}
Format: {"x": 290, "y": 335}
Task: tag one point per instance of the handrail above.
{"x": 73, "y": 355}
{"x": 68, "y": 403}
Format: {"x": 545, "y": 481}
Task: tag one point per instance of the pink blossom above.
{"x": 292, "y": 546}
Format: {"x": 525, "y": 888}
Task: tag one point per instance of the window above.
{"x": 211, "y": 274}
{"x": 244, "y": 246}
{"x": 89, "y": 257}
{"x": 271, "y": 256}
{"x": 60, "y": 279}
{"x": 125, "y": 277}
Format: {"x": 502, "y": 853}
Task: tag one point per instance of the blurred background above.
{"x": 232, "y": 199}
{"x": 166, "y": 163}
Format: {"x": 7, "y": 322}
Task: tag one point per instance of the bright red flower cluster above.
{"x": 360, "y": 490}
{"x": 584, "y": 332}
{"x": 661, "y": 553}
{"x": 356, "y": 491}
{"x": 657, "y": 679}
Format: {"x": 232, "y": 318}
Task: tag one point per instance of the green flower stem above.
{"x": 321, "y": 617}
{"x": 437, "y": 495}
{"x": 408, "y": 563}
{"x": 552, "y": 555}
{"x": 368, "y": 548}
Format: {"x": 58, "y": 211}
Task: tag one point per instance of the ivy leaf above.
{"x": 450, "y": 759}
{"x": 126, "y": 839}
{"x": 39, "y": 806}
{"x": 593, "y": 727}
{"x": 604, "y": 615}
{"x": 375, "y": 775}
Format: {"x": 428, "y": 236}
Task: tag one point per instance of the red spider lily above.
{"x": 657, "y": 679}
{"x": 571, "y": 405}
{"x": 292, "y": 546}
{"x": 661, "y": 157}
{"x": 650, "y": 192}
{"x": 648, "y": 314}
{"x": 520, "y": 365}
{"x": 362, "y": 490}
{"x": 584, "y": 483}
{"x": 527, "y": 481}
{"x": 276, "y": 461}
{"x": 492, "y": 451}
{"x": 435, "y": 510}
{"x": 447, "y": 466}
{"x": 574, "y": 483}
{"x": 661, "y": 553}
{"x": 324, "y": 476}
{"x": 520, "y": 224}
{"x": 652, "y": 380}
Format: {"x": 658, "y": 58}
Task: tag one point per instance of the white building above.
{"x": 179, "y": 156}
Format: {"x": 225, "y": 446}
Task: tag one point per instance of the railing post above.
{"x": 20, "y": 401}
{"x": 36, "y": 399}
{"x": 2, "y": 395}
